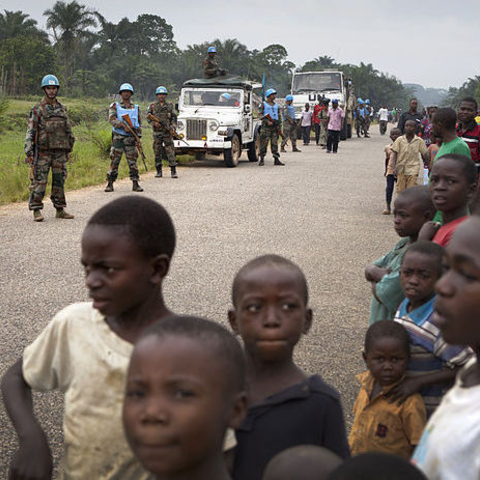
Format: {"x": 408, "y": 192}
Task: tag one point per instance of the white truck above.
{"x": 310, "y": 87}
{"x": 218, "y": 116}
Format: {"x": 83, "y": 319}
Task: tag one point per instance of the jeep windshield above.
{"x": 211, "y": 98}
{"x": 316, "y": 82}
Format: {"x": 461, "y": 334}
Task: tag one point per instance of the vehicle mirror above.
{"x": 247, "y": 109}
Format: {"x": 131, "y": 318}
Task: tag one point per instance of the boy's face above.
{"x": 466, "y": 112}
{"x": 118, "y": 277}
{"x": 387, "y": 360}
{"x": 457, "y": 307}
{"x": 418, "y": 275}
{"x": 408, "y": 217}
{"x": 394, "y": 135}
{"x": 437, "y": 128}
{"x": 449, "y": 188}
{"x": 178, "y": 405}
{"x": 409, "y": 127}
{"x": 271, "y": 313}
{"x": 413, "y": 105}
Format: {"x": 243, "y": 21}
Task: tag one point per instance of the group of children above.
{"x": 151, "y": 394}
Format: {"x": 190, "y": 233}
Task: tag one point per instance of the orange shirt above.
{"x": 381, "y": 426}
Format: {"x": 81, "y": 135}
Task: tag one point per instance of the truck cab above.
{"x": 310, "y": 87}
{"x": 219, "y": 116}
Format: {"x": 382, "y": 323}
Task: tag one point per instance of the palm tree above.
{"x": 69, "y": 21}
{"x": 15, "y": 24}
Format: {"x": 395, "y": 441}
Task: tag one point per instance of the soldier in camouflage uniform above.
{"x": 289, "y": 125}
{"x": 323, "y": 117}
{"x": 122, "y": 140}
{"x": 48, "y": 142}
{"x": 269, "y": 131}
{"x": 162, "y": 139}
{"x": 211, "y": 68}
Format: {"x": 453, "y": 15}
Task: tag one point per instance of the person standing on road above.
{"x": 412, "y": 114}
{"x": 211, "y": 68}
{"x": 162, "y": 138}
{"x": 323, "y": 118}
{"x": 316, "y": 120}
{"x": 289, "y": 125}
{"x": 427, "y": 125}
{"x": 383, "y": 119}
{"x": 270, "y": 127}
{"x": 335, "y": 120}
{"x": 122, "y": 140}
{"x": 306, "y": 124}
{"x": 468, "y": 129}
{"x": 48, "y": 143}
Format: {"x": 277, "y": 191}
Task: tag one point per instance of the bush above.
{"x": 84, "y": 114}
{"x": 100, "y": 135}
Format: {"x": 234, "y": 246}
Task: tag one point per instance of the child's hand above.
{"x": 403, "y": 390}
{"x": 428, "y": 231}
{"x": 33, "y": 459}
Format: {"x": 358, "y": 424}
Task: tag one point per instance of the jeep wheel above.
{"x": 254, "y": 149}
{"x": 232, "y": 155}
{"x": 200, "y": 155}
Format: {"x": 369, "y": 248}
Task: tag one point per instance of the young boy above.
{"x": 407, "y": 150}
{"x": 380, "y": 425}
{"x": 450, "y": 445}
{"x": 287, "y": 407}
{"x": 306, "y": 124}
{"x": 185, "y": 386}
{"x": 335, "y": 122}
{"x": 305, "y": 462}
{"x": 433, "y": 363}
{"x": 394, "y": 134}
{"x": 412, "y": 208}
{"x": 452, "y": 186}
{"x": 84, "y": 351}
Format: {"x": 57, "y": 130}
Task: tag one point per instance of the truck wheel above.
{"x": 343, "y": 132}
{"x": 232, "y": 155}
{"x": 200, "y": 155}
{"x": 254, "y": 149}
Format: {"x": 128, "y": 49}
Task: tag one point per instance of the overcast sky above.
{"x": 434, "y": 43}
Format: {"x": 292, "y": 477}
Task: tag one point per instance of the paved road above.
{"x": 322, "y": 211}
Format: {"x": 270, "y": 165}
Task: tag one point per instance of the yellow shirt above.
{"x": 408, "y": 154}
{"x": 380, "y": 426}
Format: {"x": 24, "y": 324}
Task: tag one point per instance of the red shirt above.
{"x": 316, "y": 110}
{"x": 445, "y": 232}
{"x": 472, "y": 138}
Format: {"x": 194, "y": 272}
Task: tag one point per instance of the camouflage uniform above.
{"x": 289, "y": 130}
{"x": 359, "y": 123}
{"x": 162, "y": 140}
{"x": 269, "y": 132}
{"x": 121, "y": 143}
{"x": 54, "y": 142}
{"x": 211, "y": 68}
{"x": 323, "y": 116}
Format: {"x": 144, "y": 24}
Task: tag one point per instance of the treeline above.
{"x": 471, "y": 88}
{"x": 92, "y": 56}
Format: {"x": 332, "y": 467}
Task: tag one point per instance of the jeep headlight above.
{"x": 180, "y": 125}
{"x": 213, "y": 125}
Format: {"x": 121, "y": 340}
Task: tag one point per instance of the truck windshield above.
{"x": 211, "y": 98}
{"x": 317, "y": 82}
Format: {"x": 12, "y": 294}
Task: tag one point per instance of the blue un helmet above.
{"x": 288, "y": 98}
{"x": 161, "y": 90}
{"x": 367, "y": 101}
{"x": 226, "y": 96}
{"x": 212, "y": 50}
{"x": 269, "y": 92}
{"x": 359, "y": 101}
{"x": 125, "y": 86}
{"x": 50, "y": 81}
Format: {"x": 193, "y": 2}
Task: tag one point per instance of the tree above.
{"x": 69, "y": 22}
{"x": 470, "y": 88}
{"x": 16, "y": 24}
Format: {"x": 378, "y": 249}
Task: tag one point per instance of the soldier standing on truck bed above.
{"x": 162, "y": 138}
{"x": 122, "y": 140}
{"x": 211, "y": 68}
{"x": 48, "y": 142}
{"x": 270, "y": 127}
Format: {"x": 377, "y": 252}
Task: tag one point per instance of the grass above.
{"x": 89, "y": 161}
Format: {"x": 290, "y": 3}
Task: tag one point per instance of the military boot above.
{"x": 278, "y": 162}
{"x": 296, "y": 150}
{"x": 136, "y": 186}
{"x": 173, "y": 171}
{"x": 159, "y": 173}
{"x": 61, "y": 213}
{"x": 109, "y": 187}
{"x": 283, "y": 150}
{"x": 261, "y": 163}
{"x": 37, "y": 216}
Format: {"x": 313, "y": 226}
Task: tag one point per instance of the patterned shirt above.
{"x": 335, "y": 118}
{"x": 429, "y": 351}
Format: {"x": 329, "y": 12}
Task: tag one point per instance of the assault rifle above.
{"x": 171, "y": 131}
{"x": 33, "y": 164}
{"x": 276, "y": 124}
{"x": 129, "y": 127}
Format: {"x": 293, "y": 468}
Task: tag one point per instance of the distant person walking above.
{"x": 335, "y": 120}
{"x": 412, "y": 114}
{"x": 427, "y": 125}
{"x": 316, "y": 120}
{"x": 306, "y": 124}
{"x": 383, "y": 119}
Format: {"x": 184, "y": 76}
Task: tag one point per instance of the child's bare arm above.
{"x": 33, "y": 459}
{"x": 374, "y": 273}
